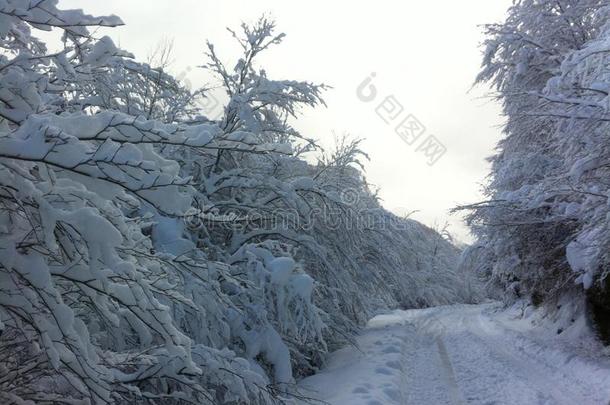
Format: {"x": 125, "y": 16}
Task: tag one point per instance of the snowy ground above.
{"x": 464, "y": 354}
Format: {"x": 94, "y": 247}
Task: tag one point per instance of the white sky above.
{"x": 425, "y": 53}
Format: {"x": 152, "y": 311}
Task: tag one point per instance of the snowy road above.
{"x": 460, "y": 355}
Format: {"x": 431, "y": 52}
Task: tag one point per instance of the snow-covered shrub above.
{"x": 475, "y": 269}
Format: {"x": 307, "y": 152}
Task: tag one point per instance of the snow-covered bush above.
{"x": 151, "y": 254}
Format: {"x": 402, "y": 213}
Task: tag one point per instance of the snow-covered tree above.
{"x": 151, "y": 254}
{"x": 543, "y": 228}
{"x": 87, "y": 304}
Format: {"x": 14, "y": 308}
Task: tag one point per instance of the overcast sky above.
{"x": 424, "y": 53}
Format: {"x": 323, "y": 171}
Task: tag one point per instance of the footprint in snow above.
{"x": 393, "y": 364}
{"x": 392, "y": 393}
{"x": 360, "y": 390}
{"x": 391, "y": 349}
{"x": 383, "y": 370}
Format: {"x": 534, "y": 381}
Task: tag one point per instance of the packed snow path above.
{"x": 464, "y": 354}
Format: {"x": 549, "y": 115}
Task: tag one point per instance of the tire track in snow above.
{"x": 428, "y": 372}
{"x": 452, "y": 384}
{"x": 403, "y": 369}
